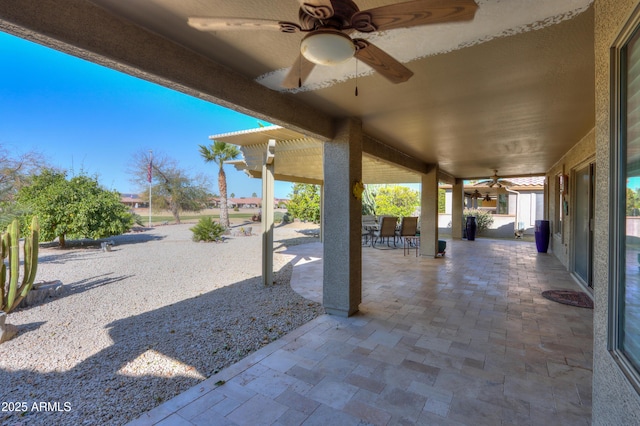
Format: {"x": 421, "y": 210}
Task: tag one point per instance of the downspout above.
{"x": 515, "y": 224}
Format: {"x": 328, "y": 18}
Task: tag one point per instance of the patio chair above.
{"x": 387, "y": 230}
{"x": 369, "y": 225}
{"x": 408, "y": 228}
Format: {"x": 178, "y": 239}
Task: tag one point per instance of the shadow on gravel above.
{"x": 63, "y": 257}
{"x": 32, "y": 326}
{"x": 306, "y": 236}
{"x": 131, "y": 238}
{"x": 158, "y": 354}
{"x": 91, "y": 283}
{"x": 70, "y": 289}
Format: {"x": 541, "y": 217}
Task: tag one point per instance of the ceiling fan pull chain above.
{"x": 356, "y": 76}
{"x": 300, "y": 69}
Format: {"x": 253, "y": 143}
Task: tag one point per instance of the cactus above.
{"x": 11, "y": 292}
{"x": 369, "y": 201}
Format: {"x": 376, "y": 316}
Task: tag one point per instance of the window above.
{"x": 503, "y": 203}
{"x": 624, "y": 320}
{"x": 559, "y": 187}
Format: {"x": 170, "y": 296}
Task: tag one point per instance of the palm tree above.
{"x": 219, "y": 152}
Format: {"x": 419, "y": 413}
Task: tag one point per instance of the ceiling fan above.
{"x": 328, "y": 25}
{"x": 495, "y": 180}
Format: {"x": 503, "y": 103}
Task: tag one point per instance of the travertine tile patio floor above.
{"x": 462, "y": 340}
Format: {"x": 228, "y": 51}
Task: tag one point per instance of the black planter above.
{"x": 542, "y": 235}
{"x": 471, "y": 228}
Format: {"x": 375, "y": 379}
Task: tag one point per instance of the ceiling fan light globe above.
{"x": 327, "y": 47}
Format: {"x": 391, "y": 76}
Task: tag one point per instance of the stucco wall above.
{"x": 615, "y": 402}
{"x": 581, "y": 153}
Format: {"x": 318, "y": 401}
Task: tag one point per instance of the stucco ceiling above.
{"x": 511, "y": 90}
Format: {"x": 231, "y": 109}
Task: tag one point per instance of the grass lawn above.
{"x": 186, "y": 217}
{"x": 193, "y": 217}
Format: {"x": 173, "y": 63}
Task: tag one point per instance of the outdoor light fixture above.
{"x": 327, "y": 47}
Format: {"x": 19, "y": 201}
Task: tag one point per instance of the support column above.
{"x": 267, "y": 214}
{"x": 429, "y": 214}
{"x": 457, "y": 204}
{"x": 342, "y": 221}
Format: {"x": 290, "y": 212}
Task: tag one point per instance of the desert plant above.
{"x": 483, "y": 219}
{"x": 369, "y": 201}
{"x": 11, "y": 292}
{"x": 277, "y": 217}
{"x": 207, "y": 230}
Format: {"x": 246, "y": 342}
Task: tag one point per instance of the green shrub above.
{"x": 484, "y": 220}
{"x": 304, "y": 202}
{"x": 207, "y": 230}
{"x": 396, "y": 200}
{"x": 138, "y": 220}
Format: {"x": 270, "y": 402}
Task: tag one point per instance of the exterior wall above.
{"x": 583, "y": 151}
{"x": 615, "y": 402}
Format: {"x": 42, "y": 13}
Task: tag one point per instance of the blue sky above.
{"x": 85, "y": 117}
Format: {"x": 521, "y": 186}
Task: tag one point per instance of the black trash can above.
{"x": 471, "y": 228}
{"x": 542, "y": 232}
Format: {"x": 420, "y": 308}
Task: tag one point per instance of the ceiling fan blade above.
{"x": 298, "y": 73}
{"x": 381, "y": 62}
{"x": 319, "y": 9}
{"x": 219, "y": 24}
{"x": 413, "y": 13}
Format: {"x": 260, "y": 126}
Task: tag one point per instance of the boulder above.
{"x": 42, "y": 291}
{"x": 7, "y": 331}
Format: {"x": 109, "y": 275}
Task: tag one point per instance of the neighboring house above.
{"x": 133, "y": 201}
{"x": 246, "y": 202}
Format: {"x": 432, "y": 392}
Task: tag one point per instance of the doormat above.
{"x": 569, "y": 297}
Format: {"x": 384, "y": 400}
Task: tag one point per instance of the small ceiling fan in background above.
{"x": 495, "y": 180}
{"x": 477, "y": 195}
{"x": 328, "y": 25}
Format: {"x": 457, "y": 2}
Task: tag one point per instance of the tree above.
{"x": 254, "y": 195}
{"x": 633, "y": 202}
{"x": 172, "y": 188}
{"x": 16, "y": 170}
{"x": 442, "y": 200}
{"x": 74, "y": 208}
{"x": 305, "y": 202}
{"x": 396, "y": 200}
{"x": 218, "y": 153}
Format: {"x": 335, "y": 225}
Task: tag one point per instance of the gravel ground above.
{"x": 142, "y": 323}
